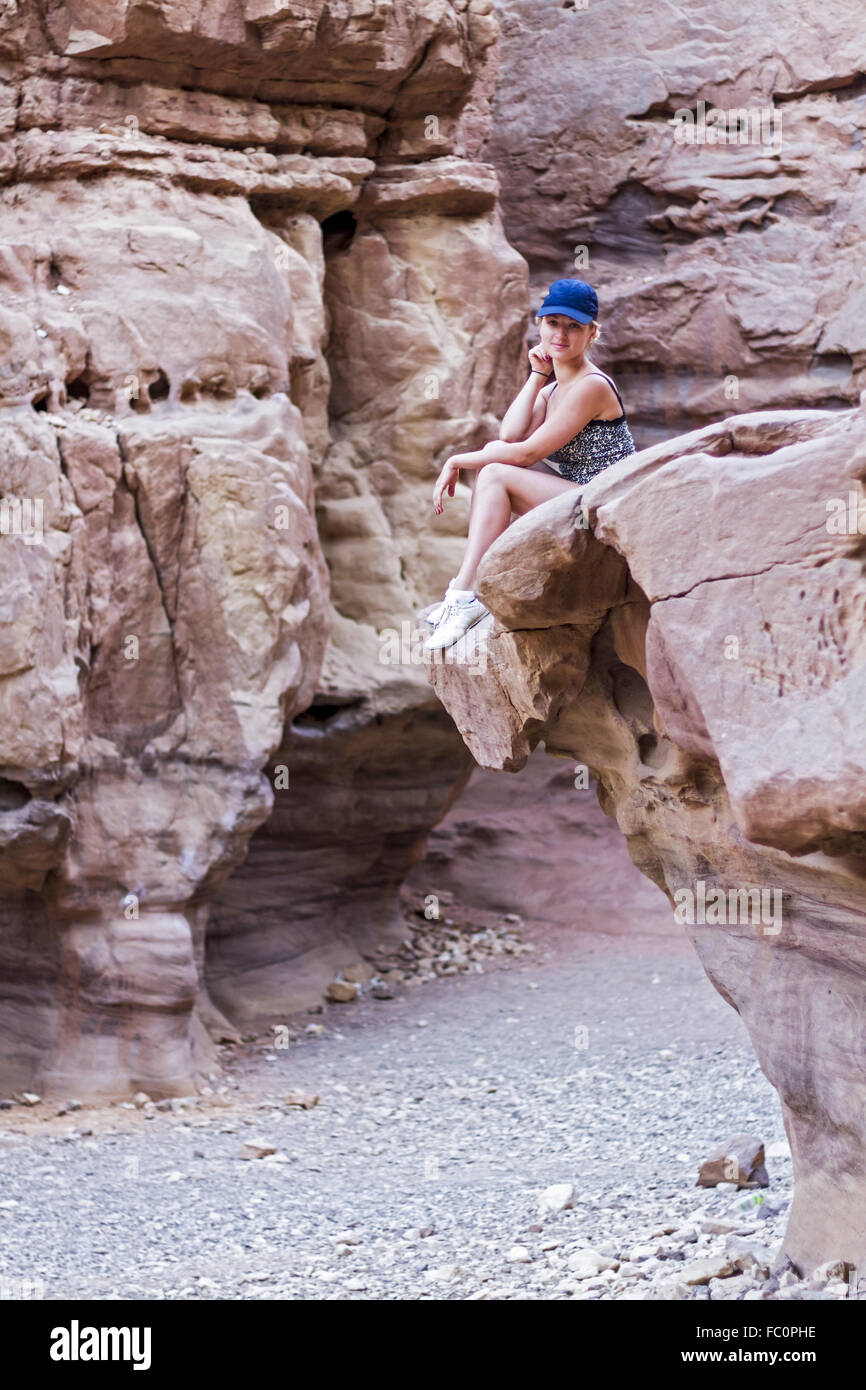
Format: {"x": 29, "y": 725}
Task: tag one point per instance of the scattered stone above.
{"x": 740, "y": 1161}
{"x": 702, "y": 1271}
{"x": 748, "y": 1257}
{"x": 342, "y": 991}
{"x": 684, "y": 1235}
{"x": 837, "y": 1288}
{"x": 358, "y": 974}
{"x": 441, "y": 1274}
{"x": 583, "y": 1264}
{"x": 68, "y": 1106}
{"x": 140, "y": 1099}
{"x": 356, "y": 1285}
{"x": 731, "y": 1287}
{"x": 726, "y": 1228}
{"x": 559, "y": 1197}
{"x": 832, "y": 1270}
{"x": 665, "y": 1290}
{"x": 303, "y": 1100}
{"x": 780, "y": 1149}
{"x": 315, "y": 1030}
{"x": 438, "y": 947}
{"x": 29, "y": 1098}
{"x": 646, "y": 1252}
{"x": 256, "y": 1148}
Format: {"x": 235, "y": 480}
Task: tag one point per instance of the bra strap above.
{"x": 610, "y": 383}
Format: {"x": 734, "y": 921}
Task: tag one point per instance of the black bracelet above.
{"x": 546, "y": 375}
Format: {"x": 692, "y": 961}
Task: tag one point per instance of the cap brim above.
{"x": 564, "y": 309}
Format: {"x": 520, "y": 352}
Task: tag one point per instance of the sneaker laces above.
{"x": 449, "y": 606}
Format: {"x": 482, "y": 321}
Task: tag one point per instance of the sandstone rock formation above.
{"x": 246, "y": 250}
{"x": 698, "y": 647}
{"x": 729, "y": 271}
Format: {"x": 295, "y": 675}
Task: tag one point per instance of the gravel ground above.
{"x": 606, "y": 1063}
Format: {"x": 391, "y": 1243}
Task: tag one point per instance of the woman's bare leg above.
{"x": 500, "y": 489}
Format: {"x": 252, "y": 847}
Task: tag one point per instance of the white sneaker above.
{"x": 459, "y": 614}
{"x": 436, "y": 613}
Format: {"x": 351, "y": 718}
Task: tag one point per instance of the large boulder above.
{"x": 710, "y": 674}
{"x": 248, "y": 256}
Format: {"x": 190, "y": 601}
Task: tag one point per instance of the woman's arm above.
{"x": 527, "y": 410}
{"x": 581, "y": 401}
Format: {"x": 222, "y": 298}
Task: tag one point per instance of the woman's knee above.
{"x": 492, "y": 475}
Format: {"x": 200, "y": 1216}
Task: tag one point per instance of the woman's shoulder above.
{"x": 581, "y": 387}
{"x": 595, "y": 377}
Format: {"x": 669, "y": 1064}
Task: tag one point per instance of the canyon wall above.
{"x": 689, "y": 629}
{"x": 248, "y": 258}
{"x": 729, "y": 270}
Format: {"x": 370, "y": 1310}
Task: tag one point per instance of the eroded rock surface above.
{"x": 244, "y": 252}
{"x": 700, "y": 651}
{"x": 729, "y": 271}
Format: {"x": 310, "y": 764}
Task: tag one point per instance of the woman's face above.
{"x": 564, "y": 338}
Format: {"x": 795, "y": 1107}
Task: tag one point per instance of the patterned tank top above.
{"x": 598, "y": 444}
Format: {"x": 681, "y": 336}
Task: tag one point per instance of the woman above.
{"x": 571, "y": 437}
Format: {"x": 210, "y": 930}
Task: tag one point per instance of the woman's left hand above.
{"x": 447, "y": 480}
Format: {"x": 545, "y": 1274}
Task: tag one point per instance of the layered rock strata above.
{"x": 689, "y": 628}
{"x": 246, "y": 251}
{"x": 708, "y": 180}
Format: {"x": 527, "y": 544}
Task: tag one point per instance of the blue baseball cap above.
{"x": 575, "y": 298}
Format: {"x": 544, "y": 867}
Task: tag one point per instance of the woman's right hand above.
{"x": 539, "y": 360}
{"x": 446, "y": 482}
